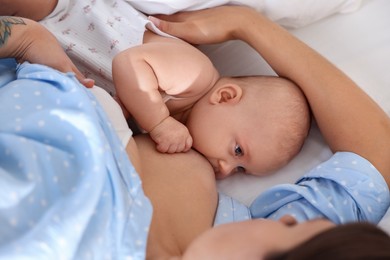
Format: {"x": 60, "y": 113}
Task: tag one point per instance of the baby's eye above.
{"x": 238, "y": 151}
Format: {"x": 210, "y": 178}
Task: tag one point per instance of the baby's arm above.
{"x": 167, "y": 65}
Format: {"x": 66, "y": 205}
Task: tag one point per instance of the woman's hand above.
{"x": 206, "y": 26}
{"x": 26, "y": 40}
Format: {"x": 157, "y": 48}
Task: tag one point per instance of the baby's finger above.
{"x": 176, "y": 148}
{"x": 162, "y": 147}
{"x": 181, "y": 147}
{"x": 188, "y": 144}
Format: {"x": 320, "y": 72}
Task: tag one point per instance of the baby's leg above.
{"x": 183, "y": 193}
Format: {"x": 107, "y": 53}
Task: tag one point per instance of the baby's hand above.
{"x": 171, "y": 136}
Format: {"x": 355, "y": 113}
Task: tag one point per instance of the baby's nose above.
{"x": 225, "y": 170}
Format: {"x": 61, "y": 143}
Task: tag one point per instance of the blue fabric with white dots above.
{"x": 230, "y": 210}
{"x": 67, "y": 188}
{"x": 345, "y": 188}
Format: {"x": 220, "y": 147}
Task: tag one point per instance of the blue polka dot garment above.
{"x": 67, "y": 188}
{"x": 343, "y": 189}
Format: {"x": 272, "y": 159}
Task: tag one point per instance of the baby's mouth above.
{"x": 215, "y": 167}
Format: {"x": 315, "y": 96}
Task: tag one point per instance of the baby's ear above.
{"x": 230, "y": 93}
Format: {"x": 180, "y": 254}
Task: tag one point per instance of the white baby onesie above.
{"x": 92, "y": 32}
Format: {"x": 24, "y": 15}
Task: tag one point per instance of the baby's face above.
{"x": 236, "y": 144}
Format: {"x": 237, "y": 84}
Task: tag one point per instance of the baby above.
{"x": 245, "y": 124}
{"x": 94, "y": 33}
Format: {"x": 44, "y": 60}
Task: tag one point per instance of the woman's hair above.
{"x": 354, "y": 241}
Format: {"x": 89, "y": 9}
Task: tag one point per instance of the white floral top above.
{"x": 92, "y": 32}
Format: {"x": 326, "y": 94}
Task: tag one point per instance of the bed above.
{"x": 357, "y": 42}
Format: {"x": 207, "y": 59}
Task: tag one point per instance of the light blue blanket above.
{"x": 67, "y": 188}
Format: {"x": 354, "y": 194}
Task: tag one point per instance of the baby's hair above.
{"x": 298, "y": 118}
{"x": 291, "y": 112}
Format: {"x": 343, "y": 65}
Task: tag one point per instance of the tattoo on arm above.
{"x": 6, "y": 22}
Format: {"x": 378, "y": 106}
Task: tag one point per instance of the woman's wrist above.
{"x": 25, "y": 37}
{"x": 243, "y": 23}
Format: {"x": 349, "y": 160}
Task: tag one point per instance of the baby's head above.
{"x": 251, "y": 124}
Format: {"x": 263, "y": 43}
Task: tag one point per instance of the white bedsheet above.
{"x": 358, "y": 43}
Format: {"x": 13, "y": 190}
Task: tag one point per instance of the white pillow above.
{"x": 289, "y": 13}
{"x": 173, "y": 6}
{"x": 298, "y": 13}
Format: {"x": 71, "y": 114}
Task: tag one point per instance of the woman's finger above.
{"x": 87, "y": 82}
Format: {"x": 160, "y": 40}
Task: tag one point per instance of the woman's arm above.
{"x": 348, "y": 118}
{"x": 32, "y": 9}
{"x": 27, "y": 40}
